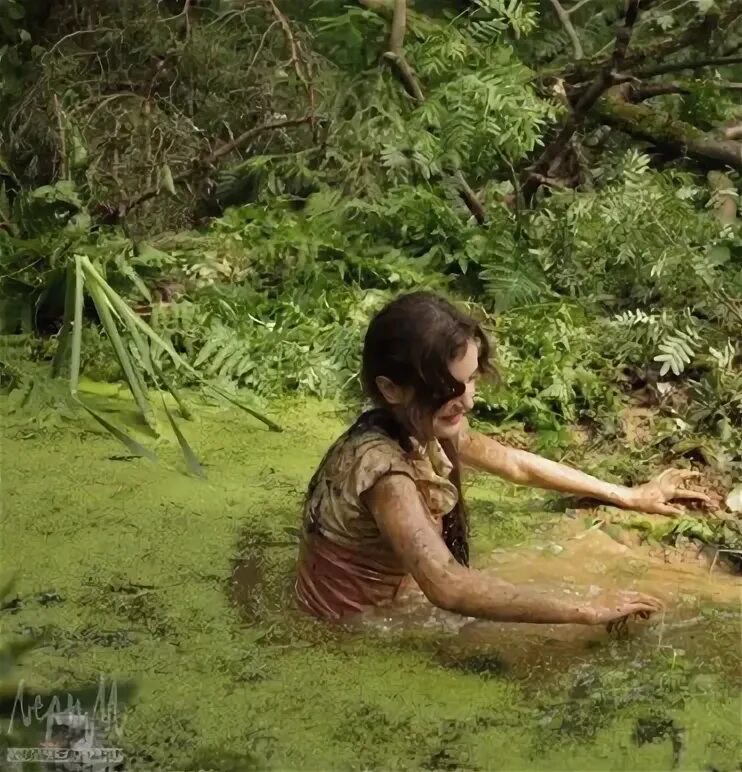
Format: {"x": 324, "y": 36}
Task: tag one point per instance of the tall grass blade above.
{"x": 133, "y": 377}
{"x": 194, "y": 467}
{"x": 134, "y": 447}
{"x": 237, "y": 402}
{"x": 185, "y": 411}
{"x": 76, "y": 328}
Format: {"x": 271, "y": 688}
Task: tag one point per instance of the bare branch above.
{"x": 469, "y": 197}
{"x": 663, "y": 69}
{"x": 640, "y": 92}
{"x": 395, "y": 54}
{"x": 576, "y": 7}
{"x": 623, "y": 35}
{"x": 297, "y": 61}
{"x": 399, "y": 28}
{"x": 568, "y": 28}
{"x": 64, "y": 160}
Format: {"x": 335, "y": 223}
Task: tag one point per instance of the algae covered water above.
{"x": 133, "y": 570}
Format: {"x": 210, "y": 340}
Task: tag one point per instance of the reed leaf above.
{"x": 134, "y": 447}
{"x": 194, "y": 467}
{"x": 76, "y": 327}
{"x": 126, "y": 313}
{"x": 133, "y": 376}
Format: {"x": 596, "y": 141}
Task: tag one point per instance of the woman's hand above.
{"x": 612, "y": 606}
{"x": 655, "y": 496}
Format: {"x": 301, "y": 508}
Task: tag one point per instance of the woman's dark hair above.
{"x": 412, "y": 342}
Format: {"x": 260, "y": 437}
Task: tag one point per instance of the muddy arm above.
{"x": 403, "y": 519}
{"x": 524, "y": 468}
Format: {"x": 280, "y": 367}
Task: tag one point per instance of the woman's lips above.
{"x": 451, "y": 419}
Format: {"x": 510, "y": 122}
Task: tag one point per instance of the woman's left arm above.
{"x": 524, "y": 468}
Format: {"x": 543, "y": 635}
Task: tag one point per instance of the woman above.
{"x": 385, "y": 506}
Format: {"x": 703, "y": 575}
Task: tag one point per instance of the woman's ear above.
{"x": 393, "y": 394}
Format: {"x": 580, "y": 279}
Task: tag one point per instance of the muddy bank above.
{"x": 142, "y": 558}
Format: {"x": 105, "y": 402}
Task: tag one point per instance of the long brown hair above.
{"x": 412, "y": 342}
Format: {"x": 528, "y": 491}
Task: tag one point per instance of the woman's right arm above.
{"x": 402, "y": 517}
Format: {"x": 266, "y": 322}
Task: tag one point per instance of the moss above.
{"x": 142, "y": 556}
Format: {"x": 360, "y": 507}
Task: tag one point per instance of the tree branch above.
{"x": 568, "y": 28}
{"x": 581, "y": 71}
{"x": 663, "y": 69}
{"x": 203, "y": 163}
{"x": 640, "y": 92}
{"x": 297, "y": 61}
{"x": 395, "y": 55}
{"x": 665, "y": 131}
{"x": 399, "y": 28}
{"x": 600, "y": 83}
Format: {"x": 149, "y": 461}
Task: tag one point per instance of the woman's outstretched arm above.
{"x": 524, "y": 468}
{"x": 403, "y": 519}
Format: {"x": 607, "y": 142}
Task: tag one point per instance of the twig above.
{"x": 470, "y": 199}
{"x": 186, "y": 9}
{"x": 297, "y": 62}
{"x": 568, "y": 27}
{"x": 663, "y": 69}
{"x": 623, "y": 35}
{"x": 221, "y": 151}
{"x": 577, "y": 7}
{"x": 62, "y": 139}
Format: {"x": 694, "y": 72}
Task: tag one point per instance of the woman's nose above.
{"x": 467, "y": 399}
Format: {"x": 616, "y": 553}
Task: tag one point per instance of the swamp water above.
{"x": 184, "y": 586}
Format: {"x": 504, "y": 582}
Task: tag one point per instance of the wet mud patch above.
{"x": 262, "y": 575}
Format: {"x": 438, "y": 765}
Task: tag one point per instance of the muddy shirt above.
{"x": 345, "y": 562}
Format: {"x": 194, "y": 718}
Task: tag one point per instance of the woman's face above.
{"x": 446, "y": 421}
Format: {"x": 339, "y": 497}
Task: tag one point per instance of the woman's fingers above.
{"x": 669, "y": 509}
{"x": 684, "y": 493}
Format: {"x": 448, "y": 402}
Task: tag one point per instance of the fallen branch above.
{"x": 642, "y": 91}
{"x": 665, "y": 131}
{"x": 664, "y": 69}
{"x": 580, "y": 72}
{"x": 600, "y": 83}
{"x": 568, "y": 28}
{"x": 395, "y": 54}
{"x": 199, "y": 164}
